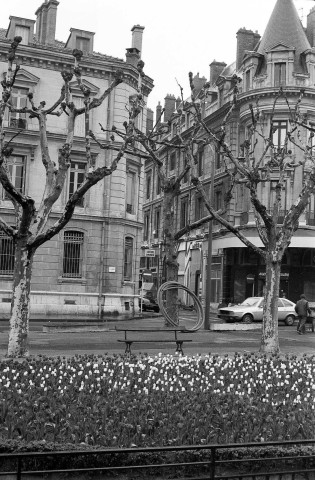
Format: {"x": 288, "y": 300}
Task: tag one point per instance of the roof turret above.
{"x": 285, "y": 27}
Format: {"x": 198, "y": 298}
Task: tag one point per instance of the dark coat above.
{"x": 302, "y": 308}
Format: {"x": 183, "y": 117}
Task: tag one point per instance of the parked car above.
{"x": 252, "y": 310}
{"x": 149, "y": 304}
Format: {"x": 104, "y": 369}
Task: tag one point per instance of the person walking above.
{"x": 302, "y": 309}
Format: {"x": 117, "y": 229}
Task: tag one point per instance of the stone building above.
{"x": 92, "y": 267}
{"x": 283, "y": 56}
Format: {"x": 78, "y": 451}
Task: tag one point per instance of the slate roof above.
{"x": 60, "y": 46}
{"x": 285, "y": 27}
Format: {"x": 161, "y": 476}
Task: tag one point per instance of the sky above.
{"x": 179, "y": 36}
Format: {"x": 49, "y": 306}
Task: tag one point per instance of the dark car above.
{"x": 149, "y": 304}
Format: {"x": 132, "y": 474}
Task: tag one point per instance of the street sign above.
{"x": 149, "y": 253}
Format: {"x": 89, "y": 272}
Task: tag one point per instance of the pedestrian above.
{"x": 302, "y": 309}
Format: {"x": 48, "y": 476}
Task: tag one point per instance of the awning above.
{"x": 303, "y": 238}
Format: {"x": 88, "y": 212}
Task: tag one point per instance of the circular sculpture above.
{"x": 172, "y": 312}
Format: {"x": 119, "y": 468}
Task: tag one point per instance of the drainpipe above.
{"x": 101, "y": 275}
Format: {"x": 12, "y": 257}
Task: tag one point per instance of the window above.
{"x": 280, "y": 133}
{"x": 158, "y": 184}
{"x": 82, "y": 43}
{"x": 157, "y": 221}
{"x": 146, "y": 226}
{"x": 24, "y": 32}
{"x": 7, "y": 250}
{"x": 79, "y": 125}
{"x": 217, "y": 159}
{"x": 72, "y": 254}
{"x": 198, "y": 208}
{"x": 247, "y": 80}
{"x": 18, "y": 100}
{"x": 128, "y": 258}
{"x": 280, "y": 74}
{"x": 200, "y": 162}
{"x": 186, "y": 176}
{"x": 218, "y": 200}
{"x": 77, "y": 176}
{"x": 173, "y": 161}
{"x": 215, "y": 279}
{"x": 131, "y": 192}
{"x": 184, "y": 212}
{"x": 16, "y": 167}
{"x": 148, "y": 185}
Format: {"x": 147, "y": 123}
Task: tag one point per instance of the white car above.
{"x": 252, "y": 310}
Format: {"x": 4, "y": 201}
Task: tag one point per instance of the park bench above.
{"x": 132, "y": 336}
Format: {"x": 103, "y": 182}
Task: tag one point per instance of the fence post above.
{"x": 19, "y": 469}
{"x": 212, "y": 466}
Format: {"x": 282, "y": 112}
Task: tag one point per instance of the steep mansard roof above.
{"x": 285, "y": 27}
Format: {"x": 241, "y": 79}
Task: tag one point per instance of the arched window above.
{"x": 128, "y": 258}
{"x": 73, "y": 242}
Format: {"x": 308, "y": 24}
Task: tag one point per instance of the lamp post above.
{"x": 209, "y": 259}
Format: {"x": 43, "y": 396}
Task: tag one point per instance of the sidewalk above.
{"x": 203, "y": 341}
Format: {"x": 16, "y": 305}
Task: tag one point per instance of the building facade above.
{"x": 92, "y": 267}
{"x": 283, "y": 56}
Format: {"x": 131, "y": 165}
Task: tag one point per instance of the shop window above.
{"x": 308, "y": 259}
{"x": 128, "y": 258}
{"x": 73, "y": 242}
{"x": 7, "y": 250}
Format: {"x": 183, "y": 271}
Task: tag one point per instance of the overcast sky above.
{"x": 179, "y": 36}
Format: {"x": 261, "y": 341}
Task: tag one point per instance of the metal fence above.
{"x": 269, "y": 460}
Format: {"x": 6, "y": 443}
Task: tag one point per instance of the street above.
{"x": 203, "y": 342}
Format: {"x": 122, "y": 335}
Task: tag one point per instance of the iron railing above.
{"x": 214, "y": 461}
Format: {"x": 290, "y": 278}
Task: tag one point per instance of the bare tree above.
{"x": 31, "y": 230}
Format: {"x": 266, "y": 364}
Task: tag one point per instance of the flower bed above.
{"x": 113, "y": 401}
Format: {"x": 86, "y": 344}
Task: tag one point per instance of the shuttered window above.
{"x": 7, "y": 250}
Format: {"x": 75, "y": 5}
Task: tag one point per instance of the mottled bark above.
{"x": 270, "y": 336}
{"x": 20, "y": 305}
{"x": 170, "y": 244}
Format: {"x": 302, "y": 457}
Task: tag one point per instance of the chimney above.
{"x": 169, "y": 106}
{"x": 137, "y": 32}
{"x": 246, "y": 40}
{"x": 215, "y": 69}
{"x": 149, "y": 122}
{"x": 158, "y": 112}
{"x": 199, "y": 82}
{"x": 310, "y": 27}
{"x": 46, "y": 22}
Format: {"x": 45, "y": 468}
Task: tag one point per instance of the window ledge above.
{"x": 81, "y": 281}
{"x": 3, "y": 276}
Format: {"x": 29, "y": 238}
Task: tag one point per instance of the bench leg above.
{"x": 179, "y": 346}
{"x": 128, "y": 346}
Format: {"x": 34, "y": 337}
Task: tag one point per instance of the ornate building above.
{"x": 283, "y": 56}
{"x": 92, "y": 267}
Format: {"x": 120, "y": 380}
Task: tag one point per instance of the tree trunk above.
{"x": 171, "y": 263}
{"x": 20, "y": 304}
{"x": 270, "y": 337}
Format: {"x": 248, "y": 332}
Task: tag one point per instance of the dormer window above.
{"x": 21, "y": 27}
{"x": 81, "y": 39}
{"x": 247, "y": 80}
{"x": 280, "y": 74}
{"x": 24, "y": 32}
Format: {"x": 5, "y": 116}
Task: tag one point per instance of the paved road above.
{"x": 99, "y": 342}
